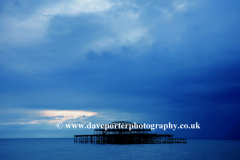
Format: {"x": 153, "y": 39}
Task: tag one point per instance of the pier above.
{"x": 126, "y": 136}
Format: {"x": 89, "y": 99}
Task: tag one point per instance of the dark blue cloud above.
{"x": 174, "y": 61}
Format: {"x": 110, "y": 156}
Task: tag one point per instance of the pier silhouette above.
{"x": 126, "y": 135}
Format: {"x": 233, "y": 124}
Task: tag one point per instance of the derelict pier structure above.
{"x": 125, "y": 135}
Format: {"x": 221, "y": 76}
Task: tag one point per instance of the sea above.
{"x": 66, "y": 149}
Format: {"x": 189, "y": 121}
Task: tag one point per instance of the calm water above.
{"x": 66, "y": 149}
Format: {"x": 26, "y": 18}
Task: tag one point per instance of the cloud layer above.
{"x": 153, "y": 62}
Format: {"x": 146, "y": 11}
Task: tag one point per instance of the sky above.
{"x": 98, "y": 61}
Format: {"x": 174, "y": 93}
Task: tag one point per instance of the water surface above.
{"x": 22, "y": 149}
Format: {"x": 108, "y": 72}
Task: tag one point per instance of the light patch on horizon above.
{"x": 47, "y": 116}
{"x": 64, "y": 115}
